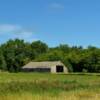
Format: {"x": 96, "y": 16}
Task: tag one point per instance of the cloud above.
{"x": 8, "y": 28}
{"x": 57, "y": 6}
{"x": 16, "y": 31}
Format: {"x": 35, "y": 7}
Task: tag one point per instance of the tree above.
{"x": 64, "y": 47}
{"x": 39, "y": 47}
{"x": 2, "y": 61}
{"x": 91, "y": 60}
{"x": 16, "y": 53}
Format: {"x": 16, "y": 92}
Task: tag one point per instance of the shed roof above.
{"x": 43, "y": 64}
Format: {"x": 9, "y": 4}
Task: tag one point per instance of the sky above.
{"x": 73, "y": 22}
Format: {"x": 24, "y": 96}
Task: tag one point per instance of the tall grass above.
{"x": 24, "y": 86}
{"x": 44, "y": 86}
{"x": 76, "y": 95}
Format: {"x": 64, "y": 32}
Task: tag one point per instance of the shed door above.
{"x": 59, "y": 68}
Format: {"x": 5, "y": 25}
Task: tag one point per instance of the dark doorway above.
{"x": 59, "y": 68}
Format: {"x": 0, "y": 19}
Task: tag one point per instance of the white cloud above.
{"x": 57, "y": 6}
{"x": 8, "y": 28}
{"x": 16, "y": 31}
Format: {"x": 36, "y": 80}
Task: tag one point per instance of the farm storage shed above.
{"x": 47, "y": 66}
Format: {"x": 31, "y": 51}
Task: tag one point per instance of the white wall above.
{"x": 53, "y": 69}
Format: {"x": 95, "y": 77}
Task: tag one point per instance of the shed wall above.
{"x": 53, "y": 69}
{"x": 65, "y": 70}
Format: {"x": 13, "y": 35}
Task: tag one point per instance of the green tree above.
{"x": 91, "y": 60}
{"x": 2, "y": 61}
{"x": 39, "y": 47}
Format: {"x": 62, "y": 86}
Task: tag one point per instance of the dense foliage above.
{"x": 15, "y": 53}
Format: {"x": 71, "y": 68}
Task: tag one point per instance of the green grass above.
{"x": 36, "y": 86}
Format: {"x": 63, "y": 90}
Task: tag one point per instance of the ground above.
{"x": 36, "y": 86}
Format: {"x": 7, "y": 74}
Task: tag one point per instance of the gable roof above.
{"x": 43, "y": 64}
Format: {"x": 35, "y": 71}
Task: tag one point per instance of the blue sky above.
{"x": 73, "y": 22}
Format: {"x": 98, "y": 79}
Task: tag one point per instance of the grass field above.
{"x": 35, "y": 86}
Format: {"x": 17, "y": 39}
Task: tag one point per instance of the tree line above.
{"x": 16, "y": 53}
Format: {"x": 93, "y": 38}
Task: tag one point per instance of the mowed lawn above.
{"x": 36, "y": 86}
